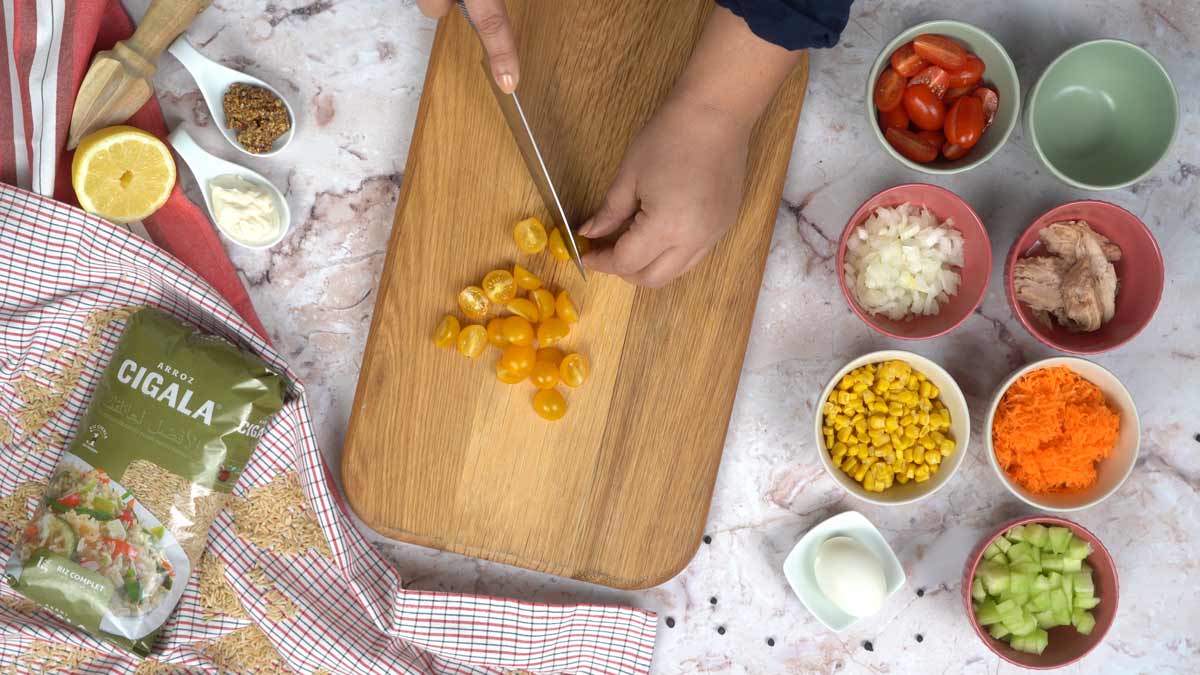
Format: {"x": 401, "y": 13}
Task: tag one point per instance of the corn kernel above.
{"x": 932, "y": 457}
{"x": 947, "y": 447}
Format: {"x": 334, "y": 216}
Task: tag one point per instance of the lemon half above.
{"x": 122, "y": 174}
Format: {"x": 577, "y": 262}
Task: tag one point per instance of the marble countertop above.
{"x": 354, "y": 70}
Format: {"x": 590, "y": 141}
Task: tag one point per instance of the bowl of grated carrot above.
{"x": 1063, "y": 434}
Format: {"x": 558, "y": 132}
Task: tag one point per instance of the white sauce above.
{"x": 244, "y": 210}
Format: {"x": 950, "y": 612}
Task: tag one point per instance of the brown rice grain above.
{"x": 216, "y": 595}
{"x": 246, "y": 651}
{"x": 52, "y": 658}
{"x": 276, "y": 516}
{"x": 186, "y": 509}
{"x": 14, "y": 509}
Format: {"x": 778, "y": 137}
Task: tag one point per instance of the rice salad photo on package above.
{"x": 125, "y": 516}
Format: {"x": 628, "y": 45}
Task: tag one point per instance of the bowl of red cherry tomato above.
{"x": 943, "y": 97}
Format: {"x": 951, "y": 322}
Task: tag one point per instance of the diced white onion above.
{"x": 902, "y": 262}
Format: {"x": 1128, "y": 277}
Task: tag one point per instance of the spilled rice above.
{"x": 276, "y": 516}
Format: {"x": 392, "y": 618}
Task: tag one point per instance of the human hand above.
{"x": 495, "y": 31}
{"x": 679, "y": 187}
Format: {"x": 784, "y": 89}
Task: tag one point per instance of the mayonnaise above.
{"x": 244, "y": 210}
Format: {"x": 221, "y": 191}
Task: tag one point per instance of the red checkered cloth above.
{"x": 57, "y": 267}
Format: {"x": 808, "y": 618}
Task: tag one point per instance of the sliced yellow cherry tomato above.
{"x": 499, "y": 286}
{"x": 495, "y": 333}
{"x": 530, "y": 235}
{"x": 517, "y": 330}
{"x": 573, "y": 370}
{"x": 552, "y": 331}
{"x": 515, "y": 363}
{"x": 552, "y": 354}
{"x": 544, "y": 300}
{"x": 523, "y": 307}
{"x": 558, "y": 247}
{"x": 544, "y": 375}
{"x": 472, "y": 340}
{"x": 526, "y": 279}
{"x": 473, "y": 302}
{"x": 446, "y": 332}
{"x": 566, "y": 307}
{"x": 549, "y": 404}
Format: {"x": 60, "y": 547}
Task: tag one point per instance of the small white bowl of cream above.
{"x": 244, "y": 205}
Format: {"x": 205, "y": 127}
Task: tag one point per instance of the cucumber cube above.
{"x": 1078, "y": 549}
{"x": 1026, "y": 567}
{"x": 1002, "y": 543}
{"x": 1007, "y": 609}
{"x": 998, "y": 631}
{"x": 1036, "y": 554}
{"x": 1040, "y": 602}
{"x": 1041, "y": 583}
{"x": 1083, "y": 583}
{"x": 1036, "y": 535}
{"x": 1038, "y": 640}
{"x": 1072, "y": 565}
{"x": 1016, "y": 534}
{"x": 1019, "y": 552}
{"x": 1053, "y": 563}
{"x": 1055, "y": 579}
{"x": 1058, "y": 600}
{"x": 991, "y": 552}
{"x": 986, "y": 614}
{"x": 1028, "y": 625}
{"x": 1084, "y": 567}
{"x": 1020, "y": 644}
{"x": 1058, "y": 538}
{"x": 1019, "y": 582}
{"x": 1083, "y": 621}
{"x": 1062, "y": 617}
{"x": 1068, "y": 585}
{"x": 995, "y": 577}
{"x": 1045, "y": 619}
{"x": 977, "y": 592}
{"x": 1086, "y": 602}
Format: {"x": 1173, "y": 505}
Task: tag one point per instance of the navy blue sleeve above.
{"x": 793, "y": 24}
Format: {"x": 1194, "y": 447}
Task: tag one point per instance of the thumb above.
{"x": 620, "y": 204}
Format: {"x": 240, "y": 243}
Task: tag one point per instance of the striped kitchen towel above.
{"x": 309, "y": 597}
{"x": 47, "y": 48}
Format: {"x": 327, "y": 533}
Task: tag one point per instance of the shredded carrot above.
{"x": 1051, "y": 429}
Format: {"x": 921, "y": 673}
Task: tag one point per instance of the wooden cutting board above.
{"x": 439, "y": 452}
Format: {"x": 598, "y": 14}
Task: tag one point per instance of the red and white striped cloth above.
{"x": 45, "y": 49}
{"x": 58, "y": 266}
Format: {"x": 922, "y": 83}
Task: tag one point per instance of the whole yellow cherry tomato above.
{"x": 544, "y": 375}
{"x": 530, "y": 235}
{"x": 544, "y": 300}
{"x": 549, "y": 404}
{"x": 551, "y": 354}
{"x": 566, "y": 307}
{"x": 517, "y": 330}
{"x": 446, "y": 332}
{"x": 471, "y": 340}
{"x": 515, "y": 363}
{"x": 552, "y": 331}
{"x": 495, "y": 333}
{"x": 499, "y": 286}
{"x": 573, "y": 370}
{"x": 526, "y": 279}
{"x": 473, "y": 302}
{"x": 558, "y": 247}
{"x": 523, "y": 307}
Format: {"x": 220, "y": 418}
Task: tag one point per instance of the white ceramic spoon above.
{"x": 214, "y": 80}
{"x": 206, "y": 168}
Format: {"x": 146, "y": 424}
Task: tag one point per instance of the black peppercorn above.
{"x": 670, "y": 622}
{"x": 720, "y": 630}
{"x": 868, "y": 646}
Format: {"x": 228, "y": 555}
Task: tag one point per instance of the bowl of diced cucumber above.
{"x": 1041, "y": 592}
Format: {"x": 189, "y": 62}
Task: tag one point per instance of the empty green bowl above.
{"x": 1000, "y": 74}
{"x": 1102, "y": 115}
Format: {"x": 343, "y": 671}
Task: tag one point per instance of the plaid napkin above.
{"x": 45, "y": 49}
{"x": 350, "y": 614}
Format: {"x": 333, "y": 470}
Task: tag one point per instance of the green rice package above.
{"x": 126, "y": 514}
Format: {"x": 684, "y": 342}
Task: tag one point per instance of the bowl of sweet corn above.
{"x": 892, "y": 427}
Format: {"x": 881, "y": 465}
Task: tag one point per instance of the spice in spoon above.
{"x": 257, "y": 115}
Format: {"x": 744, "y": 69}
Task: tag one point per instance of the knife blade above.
{"x": 518, "y": 124}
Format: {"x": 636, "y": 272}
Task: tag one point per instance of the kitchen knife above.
{"x": 518, "y": 124}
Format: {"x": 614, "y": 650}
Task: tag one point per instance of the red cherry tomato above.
{"x": 911, "y": 145}
{"x": 964, "y": 122}
{"x": 895, "y": 118}
{"x": 889, "y": 90}
{"x": 952, "y": 152}
{"x": 933, "y": 77}
{"x": 940, "y": 50}
{"x": 907, "y": 61}
{"x": 955, "y": 93}
{"x": 991, "y": 101}
{"x": 924, "y": 108}
{"x": 970, "y": 73}
{"x": 934, "y": 137}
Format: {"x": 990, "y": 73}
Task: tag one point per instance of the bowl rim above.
{"x": 922, "y": 363}
{"x": 876, "y": 68}
{"x": 1037, "y": 87}
{"x": 976, "y": 556}
{"x": 1031, "y": 327}
{"x": 840, "y": 261}
{"x": 989, "y": 418}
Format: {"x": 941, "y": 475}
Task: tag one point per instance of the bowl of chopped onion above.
{"x": 914, "y": 261}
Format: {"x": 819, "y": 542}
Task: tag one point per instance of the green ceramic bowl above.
{"x": 999, "y": 74}
{"x": 1103, "y": 114}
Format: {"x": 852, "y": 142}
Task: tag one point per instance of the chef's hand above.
{"x": 679, "y": 186}
{"x": 495, "y": 31}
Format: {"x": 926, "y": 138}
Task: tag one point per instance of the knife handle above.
{"x": 164, "y": 21}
